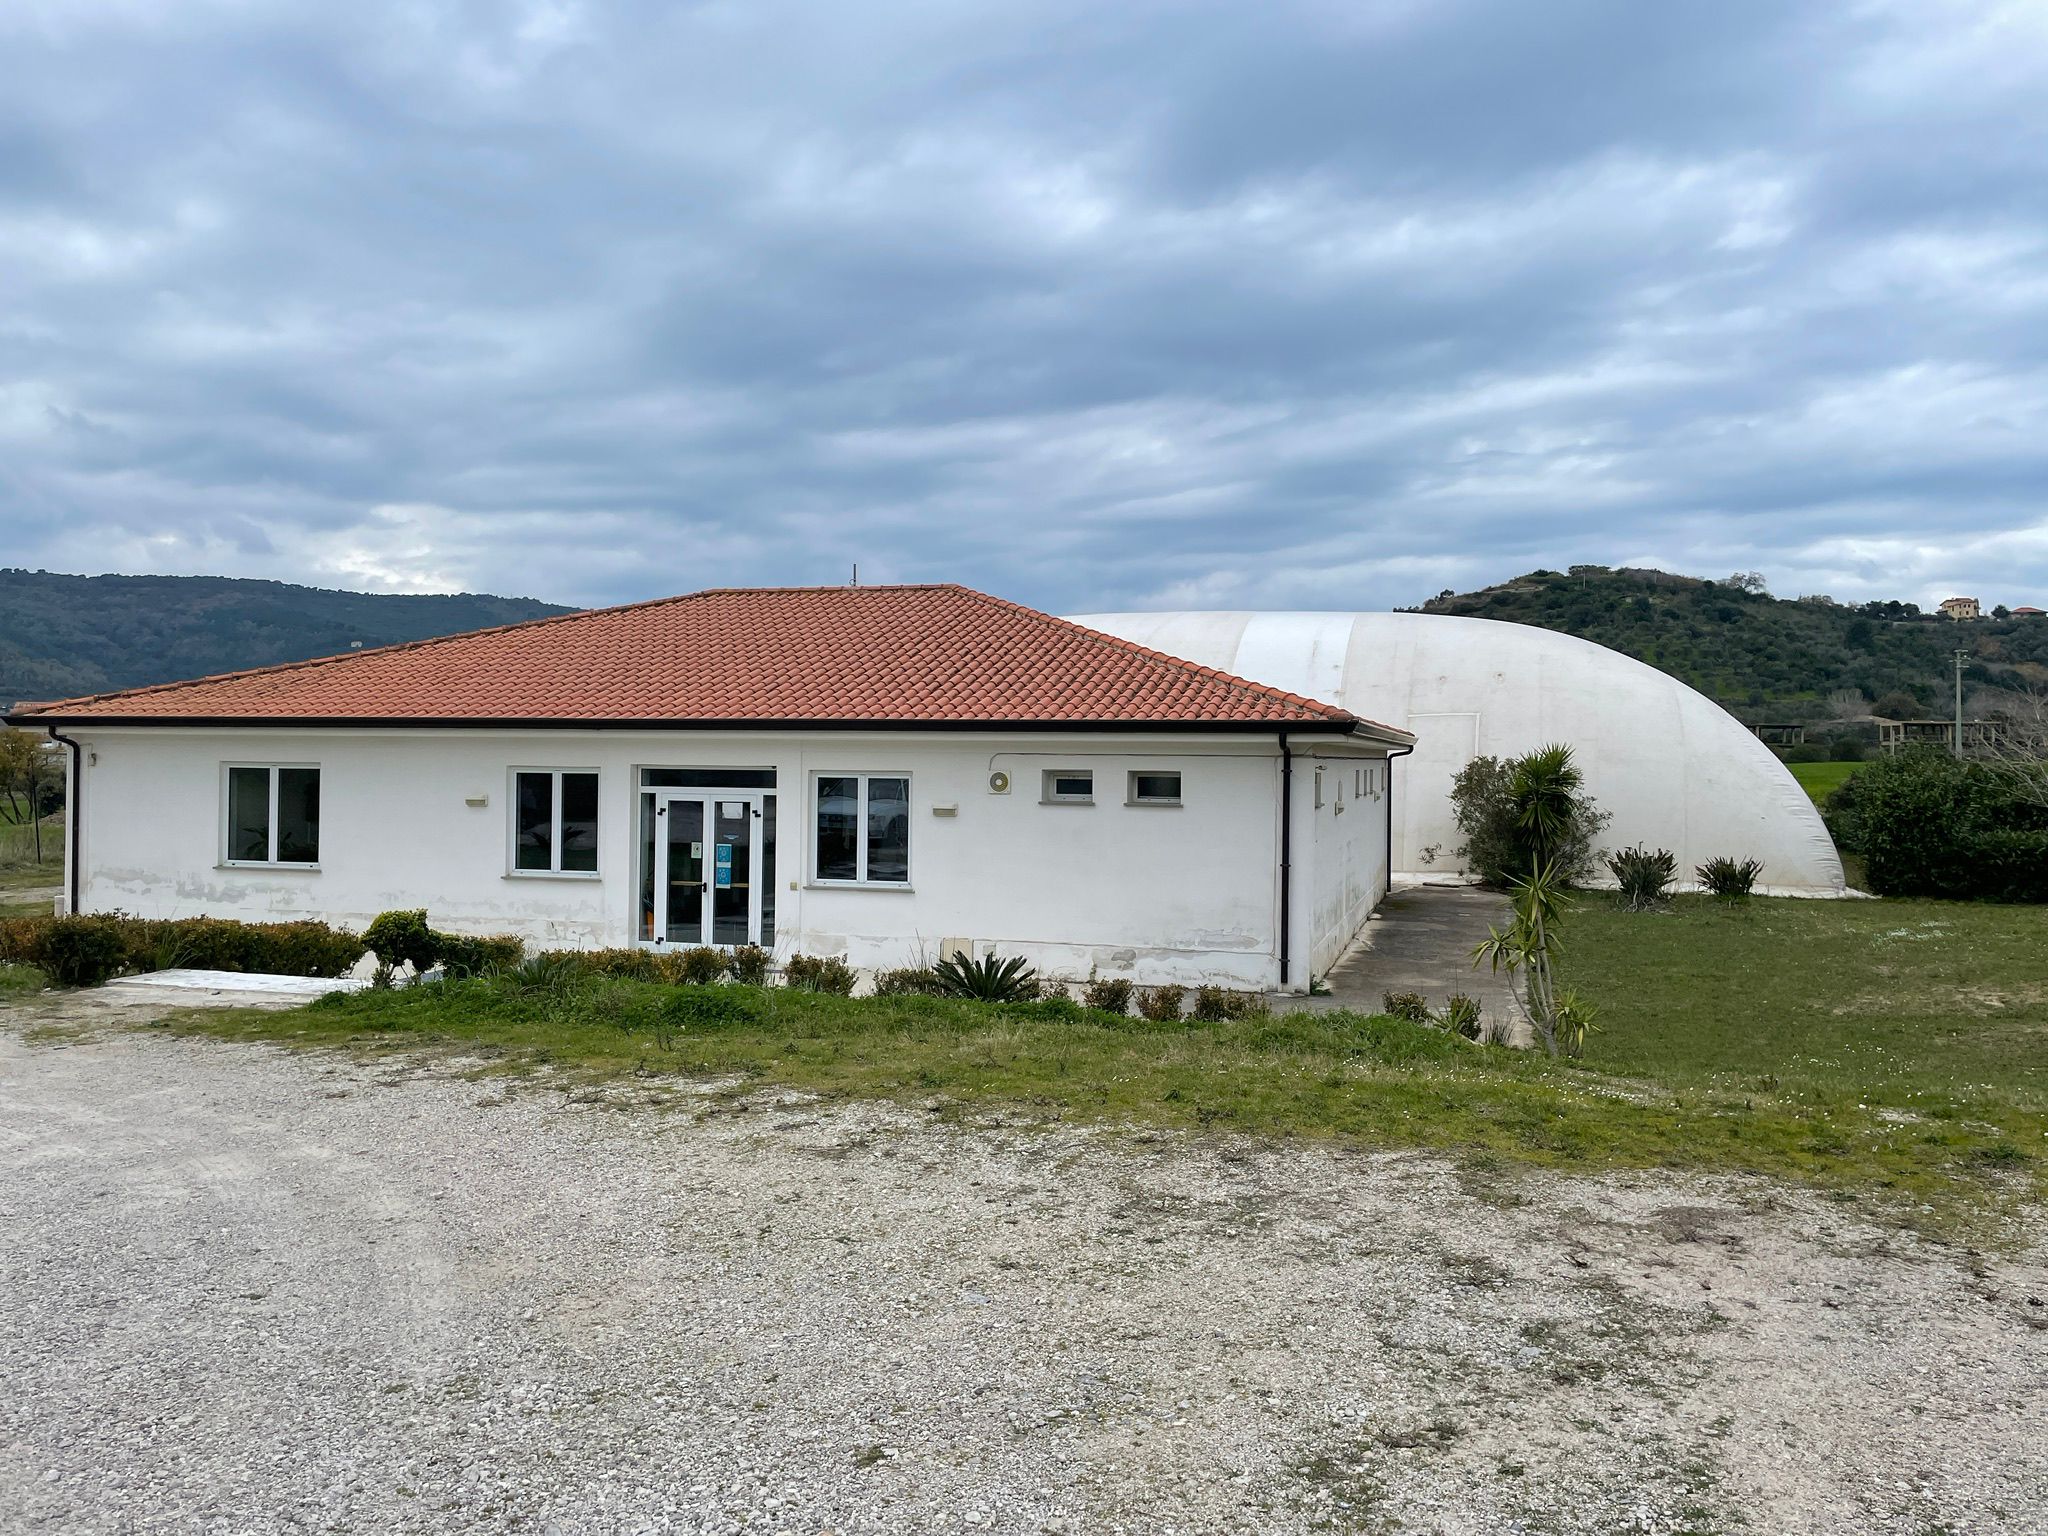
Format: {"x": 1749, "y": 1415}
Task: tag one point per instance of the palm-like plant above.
{"x": 1528, "y": 946}
{"x": 1544, "y": 790}
{"x": 991, "y": 979}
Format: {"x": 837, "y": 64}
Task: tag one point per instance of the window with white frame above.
{"x": 272, "y": 814}
{"x": 1069, "y": 786}
{"x": 554, "y": 821}
{"x": 861, "y": 828}
{"x": 1153, "y": 786}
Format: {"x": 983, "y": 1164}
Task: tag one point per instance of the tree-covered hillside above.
{"x": 66, "y": 635}
{"x": 1764, "y": 657}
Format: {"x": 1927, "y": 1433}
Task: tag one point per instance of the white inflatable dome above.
{"x": 1675, "y": 769}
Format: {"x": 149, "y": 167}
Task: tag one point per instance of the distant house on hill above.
{"x": 2029, "y": 613}
{"x": 1962, "y": 608}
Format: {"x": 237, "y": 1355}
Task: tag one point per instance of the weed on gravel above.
{"x": 1374, "y": 1081}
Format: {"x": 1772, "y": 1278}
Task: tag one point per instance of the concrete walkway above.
{"x": 1421, "y": 940}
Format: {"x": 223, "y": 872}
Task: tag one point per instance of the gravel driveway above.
{"x": 243, "y": 1291}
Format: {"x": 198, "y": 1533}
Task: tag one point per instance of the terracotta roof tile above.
{"x": 902, "y": 655}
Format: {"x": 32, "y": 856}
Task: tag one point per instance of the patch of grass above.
{"x": 18, "y": 880}
{"x": 19, "y": 978}
{"x": 1820, "y": 780}
{"x": 1736, "y": 1094}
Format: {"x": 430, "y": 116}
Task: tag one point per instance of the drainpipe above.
{"x": 74, "y": 818}
{"x": 1286, "y": 850}
{"x": 1392, "y": 753}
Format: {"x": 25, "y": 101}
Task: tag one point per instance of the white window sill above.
{"x": 1066, "y": 802}
{"x": 858, "y": 885}
{"x": 1153, "y": 805}
{"x": 310, "y": 869}
{"x": 554, "y": 874}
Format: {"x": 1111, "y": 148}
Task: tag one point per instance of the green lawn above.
{"x": 1895, "y": 1052}
{"x": 1820, "y": 780}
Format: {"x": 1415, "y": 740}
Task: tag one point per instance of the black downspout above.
{"x": 74, "y": 818}
{"x": 1286, "y": 850}
{"x": 1391, "y": 755}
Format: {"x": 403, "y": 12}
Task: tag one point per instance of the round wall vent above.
{"x": 999, "y": 783}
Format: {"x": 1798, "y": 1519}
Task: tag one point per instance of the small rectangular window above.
{"x": 273, "y": 815}
{"x": 1069, "y": 786}
{"x": 1154, "y": 788}
{"x": 862, "y": 829}
{"x": 554, "y": 821}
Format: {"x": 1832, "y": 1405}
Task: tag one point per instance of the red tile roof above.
{"x": 900, "y": 656}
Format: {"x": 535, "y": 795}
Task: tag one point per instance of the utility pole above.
{"x": 1961, "y": 657}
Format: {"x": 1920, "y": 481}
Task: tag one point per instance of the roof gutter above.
{"x": 74, "y": 820}
{"x": 1286, "y": 856}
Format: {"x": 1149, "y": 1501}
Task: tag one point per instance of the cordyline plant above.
{"x": 1527, "y": 948}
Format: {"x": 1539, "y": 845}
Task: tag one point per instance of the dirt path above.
{"x": 246, "y": 1291}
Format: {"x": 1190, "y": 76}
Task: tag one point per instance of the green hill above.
{"x": 1762, "y": 657}
{"x": 66, "y": 635}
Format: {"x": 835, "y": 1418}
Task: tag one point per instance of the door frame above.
{"x": 665, "y": 799}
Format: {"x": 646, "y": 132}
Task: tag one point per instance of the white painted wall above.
{"x": 1346, "y": 846}
{"x": 1676, "y": 770}
{"x": 1185, "y": 894}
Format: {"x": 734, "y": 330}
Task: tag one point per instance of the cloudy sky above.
{"x": 1323, "y": 303}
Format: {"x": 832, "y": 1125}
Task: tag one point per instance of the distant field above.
{"x": 1822, "y": 779}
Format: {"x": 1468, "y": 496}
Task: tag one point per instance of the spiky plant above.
{"x": 991, "y": 979}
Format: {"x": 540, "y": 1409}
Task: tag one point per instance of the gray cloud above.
{"x": 1313, "y": 303}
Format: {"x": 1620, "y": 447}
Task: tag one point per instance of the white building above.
{"x": 881, "y": 773}
{"x": 1676, "y": 770}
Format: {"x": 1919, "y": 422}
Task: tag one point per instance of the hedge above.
{"x": 87, "y": 949}
{"x": 1930, "y": 825}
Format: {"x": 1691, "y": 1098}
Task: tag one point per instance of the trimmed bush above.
{"x": 629, "y": 963}
{"x": 401, "y": 936}
{"x": 1213, "y": 1005}
{"x": 159, "y": 944}
{"x": 701, "y": 966}
{"x": 1112, "y": 995}
{"x": 819, "y": 973}
{"x": 1161, "y": 1004}
{"x": 464, "y": 955}
{"x": 80, "y": 951}
{"x": 748, "y": 965}
{"x": 908, "y": 981}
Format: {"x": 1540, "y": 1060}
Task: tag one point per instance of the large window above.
{"x": 273, "y": 814}
{"x": 554, "y": 821}
{"x": 862, "y": 828}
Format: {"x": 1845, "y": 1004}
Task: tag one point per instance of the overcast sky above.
{"x": 1317, "y": 303}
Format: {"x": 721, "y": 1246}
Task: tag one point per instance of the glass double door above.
{"x": 707, "y": 869}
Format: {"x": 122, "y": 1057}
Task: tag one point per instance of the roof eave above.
{"x": 1335, "y": 726}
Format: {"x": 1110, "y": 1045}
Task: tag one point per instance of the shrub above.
{"x": 401, "y": 936}
{"x": 207, "y": 943}
{"x": 908, "y": 981}
{"x": 828, "y": 973}
{"x": 1522, "y": 812}
{"x": 80, "y": 951}
{"x": 748, "y": 965}
{"x": 1644, "y": 877}
{"x": 464, "y": 955}
{"x": 1161, "y": 1004}
{"x": 1111, "y": 995}
{"x": 1808, "y": 752}
{"x": 1462, "y": 1017}
{"x": 1412, "y": 1006}
{"x": 1213, "y": 1005}
{"x": 701, "y": 966}
{"x": 1848, "y": 749}
{"x": 991, "y": 979}
{"x": 1928, "y": 824}
{"x": 1729, "y": 880}
{"x": 630, "y": 963}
